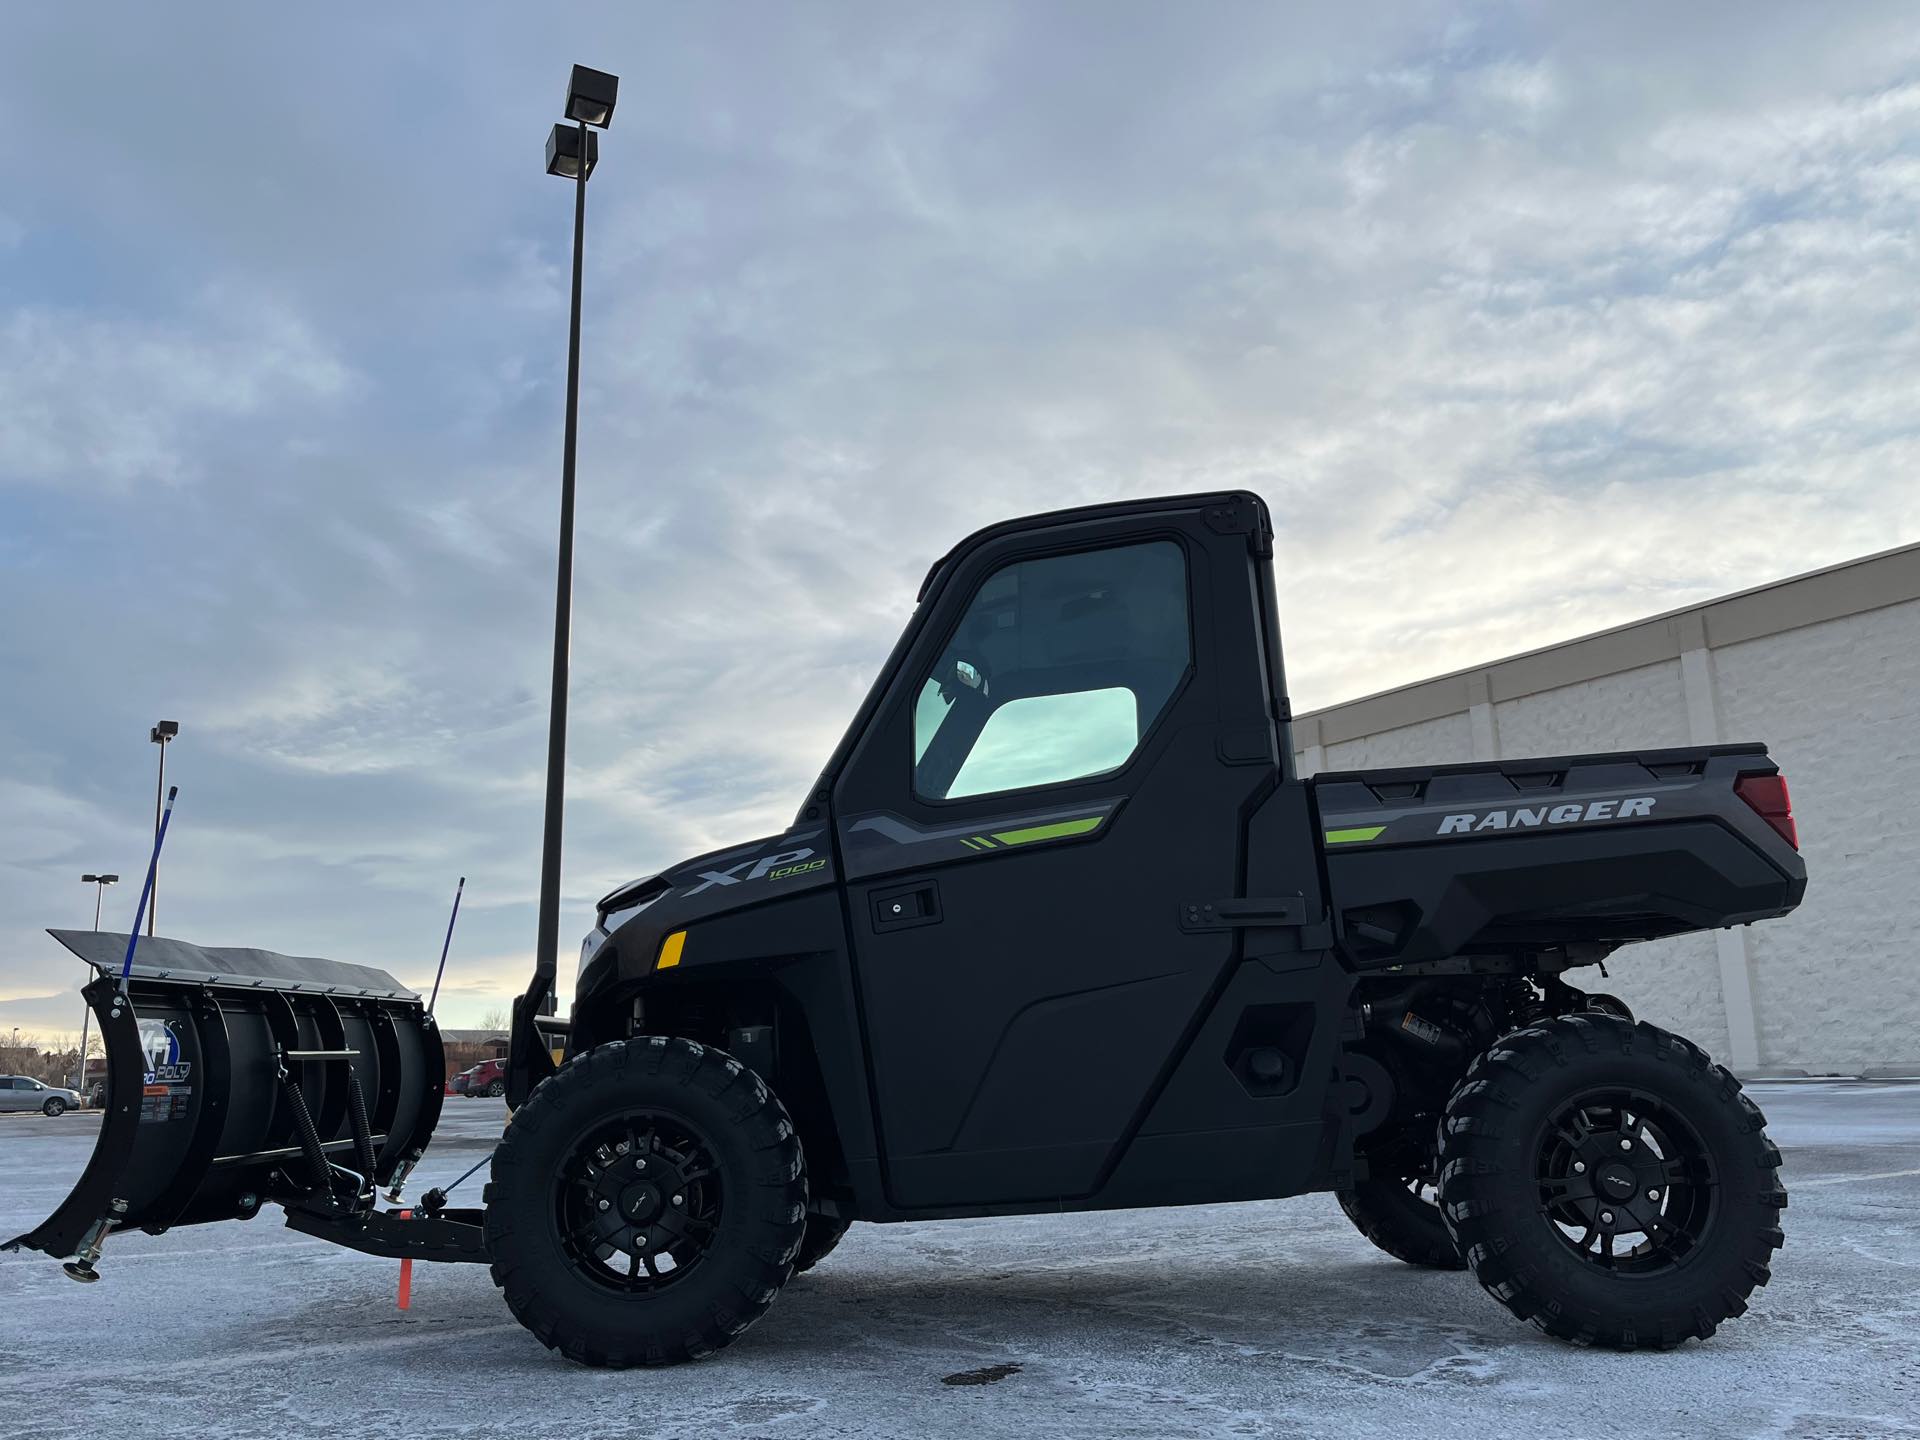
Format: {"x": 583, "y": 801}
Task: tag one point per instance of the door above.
{"x": 13, "y": 1093}
{"x": 1060, "y": 763}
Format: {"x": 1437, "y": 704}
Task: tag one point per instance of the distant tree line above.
{"x": 52, "y": 1060}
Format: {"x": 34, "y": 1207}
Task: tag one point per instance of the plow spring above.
{"x": 239, "y": 1078}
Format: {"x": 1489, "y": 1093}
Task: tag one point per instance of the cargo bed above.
{"x": 1428, "y": 862}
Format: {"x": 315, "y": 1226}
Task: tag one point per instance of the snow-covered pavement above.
{"x": 1244, "y": 1320}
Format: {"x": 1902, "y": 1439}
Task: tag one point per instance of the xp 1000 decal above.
{"x": 781, "y": 865}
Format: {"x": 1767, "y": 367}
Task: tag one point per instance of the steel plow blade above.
{"x": 237, "y": 1077}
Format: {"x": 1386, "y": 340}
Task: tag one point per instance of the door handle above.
{"x": 904, "y": 906}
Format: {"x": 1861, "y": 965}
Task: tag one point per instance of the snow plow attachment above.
{"x": 240, "y": 1077}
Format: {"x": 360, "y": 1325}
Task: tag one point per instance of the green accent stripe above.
{"x": 1349, "y": 837}
{"x": 1057, "y": 831}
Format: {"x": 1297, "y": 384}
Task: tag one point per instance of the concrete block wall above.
{"x": 1837, "y": 983}
{"x": 1825, "y": 669}
{"x": 1634, "y": 710}
{"x": 1409, "y": 745}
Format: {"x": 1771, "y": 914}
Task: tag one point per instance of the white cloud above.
{"x": 111, "y": 404}
{"x": 1525, "y": 324}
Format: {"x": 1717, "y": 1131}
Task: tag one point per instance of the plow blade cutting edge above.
{"x": 239, "y": 1077}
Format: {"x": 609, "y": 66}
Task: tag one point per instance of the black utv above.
{"x": 1059, "y": 928}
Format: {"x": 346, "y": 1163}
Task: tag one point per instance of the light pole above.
{"x": 161, "y": 733}
{"x": 572, "y": 151}
{"x": 99, "y": 883}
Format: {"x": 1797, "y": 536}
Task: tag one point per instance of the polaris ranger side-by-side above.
{"x": 1058, "y": 928}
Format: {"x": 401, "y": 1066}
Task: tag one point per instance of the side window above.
{"x": 1054, "y": 672}
{"x": 928, "y": 711}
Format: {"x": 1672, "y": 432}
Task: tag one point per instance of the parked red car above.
{"x": 489, "y": 1077}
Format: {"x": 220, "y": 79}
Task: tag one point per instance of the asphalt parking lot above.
{"x": 1272, "y": 1319}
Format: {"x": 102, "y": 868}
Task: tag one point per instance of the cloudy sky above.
{"x": 1526, "y": 320}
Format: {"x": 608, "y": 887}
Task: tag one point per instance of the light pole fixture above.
{"x": 99, "y": 883}
{"x": 162, "y": 732}
{"x": 572, "y": 151}
{"x": 563, "y": 150}
{"x": 591, "y": 95}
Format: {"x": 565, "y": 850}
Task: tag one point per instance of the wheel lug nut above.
{"x": 1579, "y": 1167}
{"x": 606, "y": 1204}
{"x": 679, "y": 1199}
{"x": 1653, "y": 1194}
{"x": 1626, "y": 1144}
{"x": 1606, "y": 1217}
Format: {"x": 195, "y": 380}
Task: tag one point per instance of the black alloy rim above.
{"x": 1625, "y": 1181}
{"x": 639, "y": 1201}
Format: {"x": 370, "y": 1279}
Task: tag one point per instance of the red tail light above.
{"x": 1767, "y": 794}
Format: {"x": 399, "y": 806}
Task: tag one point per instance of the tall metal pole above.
{"x": 547, "y": 939}
{"x": 86, "y": 1011}
{"x": 153, "y": 898}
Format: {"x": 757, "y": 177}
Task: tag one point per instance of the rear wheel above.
{"x": 823, "y": 1233}
{"x": 1609, "y": 1182}
{"x": 646, "y": 1203}
{"x": 496, "y": 1089}
{"x": 55, "y": 1108}
{"x": 1403, "y": 1218}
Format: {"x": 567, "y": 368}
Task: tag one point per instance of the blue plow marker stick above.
{"x": 159, "y": 839}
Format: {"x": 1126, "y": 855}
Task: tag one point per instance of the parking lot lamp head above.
{"x": 590, "y": 96}
{"x": 564, "y": 147}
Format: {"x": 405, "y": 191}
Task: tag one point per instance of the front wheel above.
{"x": 496, "y": 1089}
{"x": 1403, "y": 1218}
{"x": 1610, "y": 1183}
{"x": 55, "y": 1108}
{"x": 646, "y": 1203}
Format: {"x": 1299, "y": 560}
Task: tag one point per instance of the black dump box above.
{"x": 238, "y": 1077}
{"x": 1430, "y": 862}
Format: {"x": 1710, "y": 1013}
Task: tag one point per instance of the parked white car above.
{"x": 17, "y": 1092}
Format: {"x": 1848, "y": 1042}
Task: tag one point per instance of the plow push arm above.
{"x": 534, "y": 1034}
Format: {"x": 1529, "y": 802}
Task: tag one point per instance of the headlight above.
{"x": 612, "y": 920}
{"x": 605, "y": 928}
